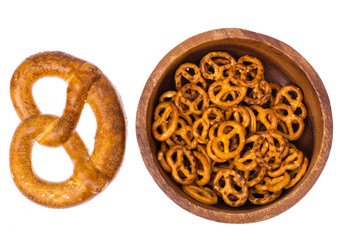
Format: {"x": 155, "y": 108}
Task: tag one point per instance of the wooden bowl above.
{"x": 282, "y": 65}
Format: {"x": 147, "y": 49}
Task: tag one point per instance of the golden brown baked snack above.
{"x": 86, "y": 84}
{"x": 234, "y": 132}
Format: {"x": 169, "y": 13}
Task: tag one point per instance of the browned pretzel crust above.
{"x": 86, "y": 84}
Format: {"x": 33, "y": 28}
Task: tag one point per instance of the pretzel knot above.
{"x": 232, "y": 186}
{"x": 215, "y": 65}
{"x": 230, "y": 140}
{"x": 86, "y": 83}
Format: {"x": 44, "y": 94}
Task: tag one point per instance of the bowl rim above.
{"x": 257, "y": 214}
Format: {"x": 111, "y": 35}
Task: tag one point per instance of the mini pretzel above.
{"x": 166, "y": 117}
{"x": 274, "y": 184}
{"x": 215, "y": 65}
{"x": 203, "y": 169}
{"x": 254, "y": 176}
{"x": 265, "y": 117}
{"x": 191, "y": 73}
{"x": 183, "y": 135}
{"x": 202, "y": 194}
{"x": 225, "y": 136}
{"x": 217, "y": 166}
{"x": 258, "y": 94}
{"x": 274, "y": 90}
{"x": 297, "y": 174}
{"x": 213, "y": 115}
{"x": 292, "y": 96}
{"x": 247, "y": 161}
{"x": 200, "y": 130}
{"x": 262, "y": 197}
{"x": 239, "y": 114}
{"x": 239, "y": 76}
{"x": 86, "y": 83}
{"x": 275, "y": 150}
{"x": 196, "y": 104}
{"x": 211, "y": 154}
{"x": 228, "y": 191}
{"x": 219, "y": 89}
{"x": 182, "y": 172}
{"x": 161, "y": 157}
{"x": 253, "y": 71}
{"x": 286, "y": 115}
{"x": 168, "y": 96}
{"x": 291, "y": 162}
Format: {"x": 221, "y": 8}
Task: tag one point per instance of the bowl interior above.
{"x": 279, "y": 68}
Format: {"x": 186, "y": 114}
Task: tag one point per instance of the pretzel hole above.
{"x": 295, "y": 126}
{"x": 190, "y": 94}
{"x": 261, "y": 127}
{"x": 200, "y": 129}
{"x": 161, "y": 112}
{"x": 258, "y": 195}
{"x": 190, "y": 71}
{"x": 223, "y": 165}
{"x": 234, "y": 142}
{"x": 200, "y": 105}
{"x": 253, "y": 174}
{"x": 274, "y": 92}
{"x": 293, "y": 95}
{"x": 189, "y": 134}
{"x": 187, "y": 163}
{"x": 181, "y": 174}
{"x": 283, "y": 112}
{"x": 285, "y": 101}
{"x": 220, "y": 61}
{"x": 233, "y": 197}
{"x": 184, "y": 107}
{"x": 51, "y": 164}
{"x": 269, "y": 118}
{"x": 226, "y": 73}
{"x": 276, "y": 143}
{"x": 222, "y": 182}
{"x": 236, "y": 73}
{"x": 167, "y": 98}
{"x": 159, "y": 129}
{"x": 272, "y": 160}
{"x": 221, "y": 146}
{"x": 298, "y": 111}
{"x": 247, "y": 161}
{"x": 251, "y": 75}
{"x": 212, "y": 116}
{"x": 209, "y": 68}
{"x": 50, "y": 95}
{"x": 248, "y": 146}
{"x": 247, "y": 63}
{"x": 184, "y": 80}
{"x": 87, "y": 127}
{"x": 228, "y": 97}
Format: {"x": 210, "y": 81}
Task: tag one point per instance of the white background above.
{"x": 126, "y": 40}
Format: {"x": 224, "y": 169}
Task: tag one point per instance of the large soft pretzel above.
{"x": 86, "y": 83}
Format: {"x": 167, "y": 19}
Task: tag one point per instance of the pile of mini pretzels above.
{"x": 225, "y": 132}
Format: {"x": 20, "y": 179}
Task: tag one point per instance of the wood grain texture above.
{"x": 282, "y": 65}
